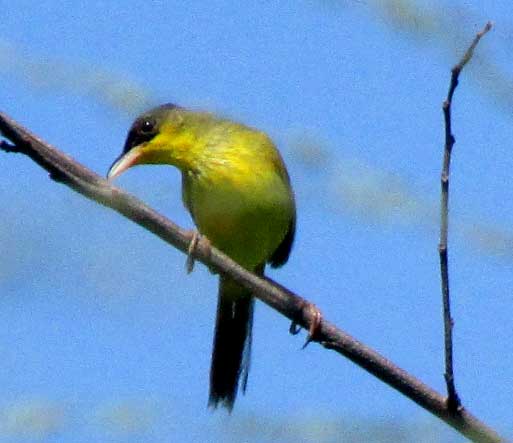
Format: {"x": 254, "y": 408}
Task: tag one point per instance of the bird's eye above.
{"x": 147, "y": 126}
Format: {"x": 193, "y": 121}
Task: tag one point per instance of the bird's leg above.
{"x": 189, "y": 263}
{"x": 308, "y": 310}
{"x": 193, "y": 247}
{"x": 315, "y": 324}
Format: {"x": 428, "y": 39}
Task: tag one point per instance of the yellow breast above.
{"x": 240, "y": 197}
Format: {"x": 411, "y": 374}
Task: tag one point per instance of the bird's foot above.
{"x": 193, "y": 247}
{"x": 313, "y": 312}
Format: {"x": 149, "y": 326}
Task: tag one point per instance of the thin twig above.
{"x": 453, "y": 400}
{"x": 72, "y": 174}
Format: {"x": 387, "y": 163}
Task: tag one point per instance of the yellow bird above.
{"x": 237, "y": 189}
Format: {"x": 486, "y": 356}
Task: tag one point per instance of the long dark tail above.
{"x": 232, "y": 343}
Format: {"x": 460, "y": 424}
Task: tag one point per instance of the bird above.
{"x": 237, "y": 189}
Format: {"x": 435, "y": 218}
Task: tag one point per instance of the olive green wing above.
{"x": 282, "y": 252}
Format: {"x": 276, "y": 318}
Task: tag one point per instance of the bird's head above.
{"x": 161, "y": 135}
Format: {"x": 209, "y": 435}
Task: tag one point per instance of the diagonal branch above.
{"x": 64, "y": 169}
{"x": 453, "y": 400}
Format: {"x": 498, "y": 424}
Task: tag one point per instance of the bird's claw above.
{"x": 314, "y": 327}
{"x": 189, "y": 263}
{"x": 294, "y": 328}
{"x": 198, "y": 243}
{"x": 315, "y": 324}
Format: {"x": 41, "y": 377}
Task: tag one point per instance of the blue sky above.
{"x": 103, "y": 336}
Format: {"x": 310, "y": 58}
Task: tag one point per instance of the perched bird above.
{"x": 237, "y": 189}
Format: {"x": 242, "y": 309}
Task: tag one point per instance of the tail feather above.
{"x": 232, "y": 343}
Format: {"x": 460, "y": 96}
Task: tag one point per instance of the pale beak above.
{"x": 123, "y": 162}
